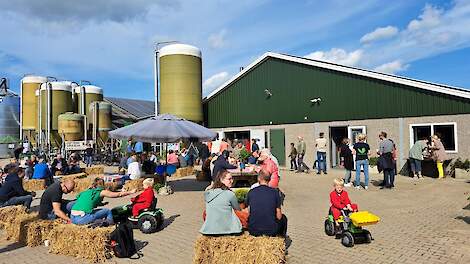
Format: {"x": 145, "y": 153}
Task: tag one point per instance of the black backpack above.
{"x": 122, "y": 241}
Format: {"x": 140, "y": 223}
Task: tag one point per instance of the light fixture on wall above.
{"x": 268, "y": 93}
{"x": 315, "y": 100}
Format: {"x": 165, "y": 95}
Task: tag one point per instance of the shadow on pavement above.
{"x": 168, "y": 221}
{"x": 11, "y": 247}
{"x": 467, "y": 207}
{"x": 188, "y": 185}
{"x": 466, "y": 219}
{"x": 140, "y": 244}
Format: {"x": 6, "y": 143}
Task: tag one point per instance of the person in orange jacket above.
{"x": 144, "y": 200}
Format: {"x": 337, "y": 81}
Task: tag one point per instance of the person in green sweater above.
{"x": 84, "y": 212}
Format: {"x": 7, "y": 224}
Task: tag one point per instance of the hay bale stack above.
{"x": 34, "y": 185}
{"x": 183, "y": 172}
{"x": 82, "y": 184}
{"x": 81, "y": 241}
{"x": 8, "y": 213}
{"x": 112, "y": 186}
{"x": 239, "y": 249}
{"x": 80, "y": 175}
{"x": 38, "y": 231}
{"x": 134, "y": 184}
{"x": 94, "y": 170}
{"x": 17, "y": 229}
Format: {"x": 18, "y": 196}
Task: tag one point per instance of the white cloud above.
{"x": 430, "y": 18}
{"x": 213, "y": 82}
{"x": 392, "y": 67}
{"x": 339, "y": 56}
{"x": 379, "y": 34}
{"x": 218, "y": 40}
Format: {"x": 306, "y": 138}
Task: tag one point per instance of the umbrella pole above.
{"x": 166, "y": 162}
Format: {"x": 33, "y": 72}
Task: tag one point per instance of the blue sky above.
{"x": 110, "y": 43}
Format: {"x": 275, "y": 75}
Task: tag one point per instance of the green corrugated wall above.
{"x": 344, "y": 97}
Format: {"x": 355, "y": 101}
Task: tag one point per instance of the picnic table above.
{"x": 244, "y": 177}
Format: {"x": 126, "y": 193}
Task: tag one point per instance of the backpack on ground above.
{"x": 122, "y": 241}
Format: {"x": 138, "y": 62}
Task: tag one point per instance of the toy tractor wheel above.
{"x": 348, "y": 239}
{"x": 367, "y": 237}
{"x": 329, "y": 228}
{"x": 160, "y": 220}
{"x": 147, "y": 224}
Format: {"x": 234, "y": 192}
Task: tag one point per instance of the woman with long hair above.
{"x": 220, "y": 205}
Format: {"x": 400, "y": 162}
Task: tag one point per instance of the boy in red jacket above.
{"x": 340, "y": 200}
{"x": 145, "y": 199}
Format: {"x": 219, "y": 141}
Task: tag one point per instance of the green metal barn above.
{"x": 279, "y": 97}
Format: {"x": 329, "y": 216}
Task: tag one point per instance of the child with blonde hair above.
{"x": 339, "y": 199}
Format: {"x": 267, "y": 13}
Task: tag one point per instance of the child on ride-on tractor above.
{"x": 340, "y": 200}
{"x": 145, "y": 199}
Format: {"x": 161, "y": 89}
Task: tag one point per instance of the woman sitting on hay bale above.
{"x": 220, "y": 205}
{"x": 83, "y": 211}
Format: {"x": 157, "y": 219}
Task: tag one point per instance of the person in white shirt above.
{"x": 25, "y": 146}
{"x": 134, "y": 170}
{"x": 320, "y": 145}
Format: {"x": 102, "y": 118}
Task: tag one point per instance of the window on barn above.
{"x": 447, "y": 132}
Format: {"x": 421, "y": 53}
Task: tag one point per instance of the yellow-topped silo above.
{"x": 91, "y": 94}
{"x": 29, "y": 114}
{"x": 56, "y": 99}
{"x": 181, "y": 81}
{"x": 101, "y": 114}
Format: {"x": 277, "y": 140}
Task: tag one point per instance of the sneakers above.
{"x": 348, "y": 185}
{"x": 366, "y": 188}
{"x": 358, "y": 187}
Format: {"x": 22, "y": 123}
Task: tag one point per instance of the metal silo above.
{"x": 9, "y": 119}
{"x": 28, "y": 106}
{"x": 181, "y": 81}
{"x": 91, "y": 94}
{"x": 102, "y": 119}
{"x": 56, "y": 99}
{"x": 71, "y": 126}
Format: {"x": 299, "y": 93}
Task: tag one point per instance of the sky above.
{"x": 111, "y": 42}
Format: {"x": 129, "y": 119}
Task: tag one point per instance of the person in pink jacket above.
{"x": 270, "y": 166}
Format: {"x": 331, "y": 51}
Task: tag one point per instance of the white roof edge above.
{"x": 455, "y": 91}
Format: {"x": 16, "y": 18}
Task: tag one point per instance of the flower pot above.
{"x": 462, "y": 174}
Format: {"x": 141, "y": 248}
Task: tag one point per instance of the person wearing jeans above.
{"x": 320, "y": 145}
{"x": 84, "y": 212}
{"x": 362, "y": 151}
{"x": 12, "y": 192}
{"x": 347, "y": 161}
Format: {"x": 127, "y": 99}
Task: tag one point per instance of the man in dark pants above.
{"x": 264, "y": 206}
{"x": 12, "y": 192}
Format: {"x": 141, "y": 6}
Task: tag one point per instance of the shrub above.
{"x": 464, "y": 165}
{"x": 157, "y": 186}
{"x": 241, "y": 194}
{"x": 373, "y": 161}
{"x": 244, "y": 155}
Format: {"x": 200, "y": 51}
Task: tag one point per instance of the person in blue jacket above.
{"x": 42, "y": 171}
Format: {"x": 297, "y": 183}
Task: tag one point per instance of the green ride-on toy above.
{"x": 148, "y": 221}
{"x": 350, "y": 228}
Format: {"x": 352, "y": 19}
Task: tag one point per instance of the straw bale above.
{"x": 112, "y": 186}
{"x": 183, "y": 172}
{"x": 9, "y": 212}
{"x": 134, "y": 184}
{"x": 38, "y": 231}
{"x": 82, "y": 184}
{"x": 81, "y": 242}
{"x": 34, "y": 185}
{"x": 74, "y": 176}
{"x": 17, "y": 229}
{"x": 239, "y": 249}
{"x": 94, "y": 170}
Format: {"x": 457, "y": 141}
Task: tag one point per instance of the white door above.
{"x": 353, "y": 131}
{"x": 258, "y": 134}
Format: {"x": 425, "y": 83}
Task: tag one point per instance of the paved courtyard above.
{"x": 422, "y": 222}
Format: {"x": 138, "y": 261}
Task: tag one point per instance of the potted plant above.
{"x": 462, "y": 169}
{"x": 243, "y": 157}
{"x": 373, "y": 165}
{"x": 241, "y": 196}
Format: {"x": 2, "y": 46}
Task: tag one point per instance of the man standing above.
{"x": 320, "y": 145}
{"x": 301, "y": 148}
{"x": 385, "y": 151}
{"x": 264, "y": 206}
{"x": 12, "y": 192}
{"x": 254, "y": 145}
{"x": 52, "y": 206}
